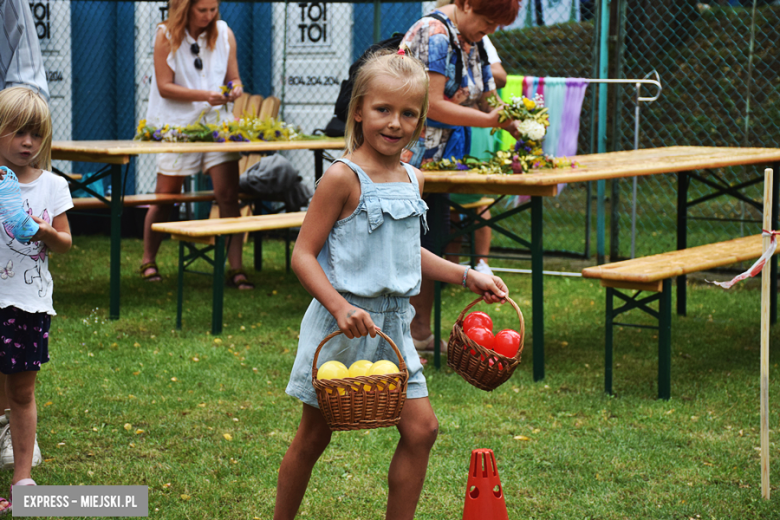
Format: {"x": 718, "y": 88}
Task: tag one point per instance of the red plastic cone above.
{"x": 484, "y": 493}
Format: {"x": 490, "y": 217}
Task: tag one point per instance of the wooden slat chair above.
{"x": 240, "y": 104}
{"x": 253, "y": 104}
{"x": 653, "y": 274}
{"x": 249, "y": 107}
{"x": 268, "y": 108}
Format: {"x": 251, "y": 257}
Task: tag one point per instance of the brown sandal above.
{"x": 153, "y": 276}
{"x": 237, "y": 278}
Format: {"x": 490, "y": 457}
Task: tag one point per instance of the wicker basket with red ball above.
{"x": 482, "y": 367}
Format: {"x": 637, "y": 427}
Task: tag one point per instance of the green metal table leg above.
{"x": 219, "y": 285}
{"x": 665, "y": 341}
{"x": 683, "y": 183}
{"x": 259, "y": 251}
{"x": 600, "y": 221}
{"x": 438, "y": 233}
{"x": 319, "y": 157}
{"x": 608, "y": 351}
{"x": 437, "y": 325}
{"x": 287, "y": 259}
{"x": 180, "y": 286}
{"x": 472, "y": 250}
{"x": 537, "y": 286}
{"x": 116, "y": 240}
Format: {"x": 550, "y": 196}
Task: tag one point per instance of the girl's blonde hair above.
{"x": 176, "y": 24}
{"x": 22, "y": 109}
{"x": 385, "y": 62}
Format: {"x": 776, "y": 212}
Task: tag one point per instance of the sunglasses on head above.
{"x": 195, "y": 48}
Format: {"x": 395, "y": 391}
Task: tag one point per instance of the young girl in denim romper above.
{"x": 359, "y": 255}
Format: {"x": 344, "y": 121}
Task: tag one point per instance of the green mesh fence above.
{"x": 712, "y": 96}
{"x": 716, "y": 90}
{"x": 558, "y": 45}
{"x": 99, "y": 61}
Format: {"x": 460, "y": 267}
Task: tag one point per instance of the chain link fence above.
{"x": 99, "y": 60}
{"x": 718, "y": 89}
{"x": 555, "y": 38}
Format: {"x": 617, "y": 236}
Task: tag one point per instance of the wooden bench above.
{"x": 195, "y": 241}
{"x": 149, "y": 199}
{"x": 484, "y": 201}
{"x": 654, "y": 274}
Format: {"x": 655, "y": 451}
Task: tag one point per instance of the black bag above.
{"x": 336, "y": 126}
{"x": 275, "y": 178}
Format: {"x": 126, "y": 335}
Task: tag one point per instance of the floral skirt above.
{"x": 24, "y": 340}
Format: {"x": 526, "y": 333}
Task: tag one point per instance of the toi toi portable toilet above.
{"x": 52, "y": 23}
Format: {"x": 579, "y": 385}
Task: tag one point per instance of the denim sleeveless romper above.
{"x": 372, "y": 258}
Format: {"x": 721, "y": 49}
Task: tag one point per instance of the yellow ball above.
{"x": 382, "y": 367}
{"x": 359, "y": 368}
{"x": 333, "y": 370}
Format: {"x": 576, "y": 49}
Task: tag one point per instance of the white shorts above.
{"x": 183, "y": 164}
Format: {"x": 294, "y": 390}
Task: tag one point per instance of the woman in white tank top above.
{"x": 194, "y": 54}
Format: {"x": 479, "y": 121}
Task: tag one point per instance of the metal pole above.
{"x": 377, "y": 21}
{"x": 117, "y": 194}
{"x": 617, "y": 111}
{"x": 602, "y": 125}
{"x": 537, "y": 285}
{"x": 633, "y": 184}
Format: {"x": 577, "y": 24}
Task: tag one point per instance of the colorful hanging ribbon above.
{"x": 758, "y": 266}
{"x": 554, "y": 99}
{"x": 570, "y": 121}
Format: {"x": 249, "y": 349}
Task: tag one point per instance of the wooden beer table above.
{"x": 114, "y": 154}
{"x": 682, "y": 160}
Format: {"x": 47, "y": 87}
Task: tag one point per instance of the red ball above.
{"x": 481, "y": 336}
{"x": 477, "y": 319}
{"x": 492, "y": 361}
{"x": 507, "y": 342}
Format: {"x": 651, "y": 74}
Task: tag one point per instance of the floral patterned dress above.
{"x": 429, "y": 41}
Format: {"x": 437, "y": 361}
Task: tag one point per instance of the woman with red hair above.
{"x": 444, "y": 41}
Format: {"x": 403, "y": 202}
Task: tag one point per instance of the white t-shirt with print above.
{"x": 25, "y": 281}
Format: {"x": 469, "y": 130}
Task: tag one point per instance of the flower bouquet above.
{"x": 527, "y": 154}
{"x": 226, "y": 89}
{"x": 243, "y": 129}
{"x": 503, "y": 162}
{"x": 531, "y": 113}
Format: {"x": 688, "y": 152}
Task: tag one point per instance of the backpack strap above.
{"x": 483, "y": 57}
{"x": 455, "y": 46}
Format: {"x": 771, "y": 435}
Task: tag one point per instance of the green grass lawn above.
{"x": 204, "y": 421}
